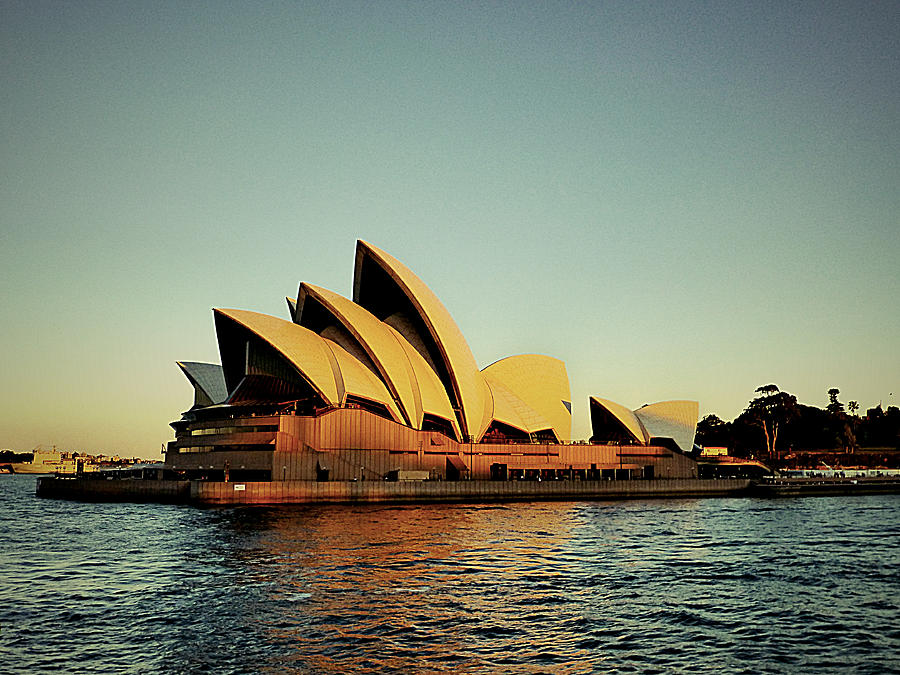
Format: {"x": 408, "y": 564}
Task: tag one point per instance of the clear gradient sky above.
{"x": 678, "y": 199}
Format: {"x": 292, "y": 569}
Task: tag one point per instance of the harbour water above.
{"x": 702, "y": 586}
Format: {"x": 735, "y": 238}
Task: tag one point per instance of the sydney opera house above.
{"x": 384, "y": 387}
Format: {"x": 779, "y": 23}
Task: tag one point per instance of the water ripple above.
{"x": 700, "y": 586}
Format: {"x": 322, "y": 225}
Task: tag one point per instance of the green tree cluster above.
{"x": 775, "y": 423}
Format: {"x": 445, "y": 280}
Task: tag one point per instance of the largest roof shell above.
{"x": 465, "y": 385}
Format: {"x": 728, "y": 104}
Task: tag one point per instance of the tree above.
{"x": 771, "y": 411}
{"x": 853, "y": 406}
{"x": 713, "y": 431}
{"x": 767, "y": 389}
{"x": 841, "y": 424}
{"x": 847, "y": 435}
{"x": 834, "y": 406}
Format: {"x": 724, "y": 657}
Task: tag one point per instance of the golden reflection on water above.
{"x": 396, "y": 585}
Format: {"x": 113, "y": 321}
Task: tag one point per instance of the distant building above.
{"x": 54, "y": 461}
{"x": 385, "y": 386}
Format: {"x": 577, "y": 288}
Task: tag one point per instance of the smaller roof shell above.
{"x": 513, "y": 411}
{"x": 541, "y": 383}
{"x": 430, "y": 393}
{"x": 671, "y": 419}
{"x": 303, "y": 349}
{"x": 626, "y": 418}
{"x": 357, "y": 380}
{"x": 376, "y": 339}
{"x": 208, "y": 380}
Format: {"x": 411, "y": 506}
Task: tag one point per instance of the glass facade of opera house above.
{"x": 384, "y": 386}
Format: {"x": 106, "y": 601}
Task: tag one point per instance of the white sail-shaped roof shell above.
{"x": 379, "y": 343}
{"x": 466, "y": 385}
{"x": 431, "y": 397}
{"x": 671, "y": 419}
{"x": 540, "y": 384}
{"x": 208, "y": 380}
{"x": 302, "y": 348}
{"x": 354, "y": 379}
{"x": 513, "y": 411}
{"x": 667, "y": 419}
{"x": 326, "y": 366}
{"x": 626, "y": 418}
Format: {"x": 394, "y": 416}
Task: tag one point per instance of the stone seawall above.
{"x": 306, "y": 492}
{"x": 347, "y": 492}
{"x": 97, "y": 490}
{"x": 475, "y": 491}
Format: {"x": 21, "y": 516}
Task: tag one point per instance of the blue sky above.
{"x": 680, "y": 200}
